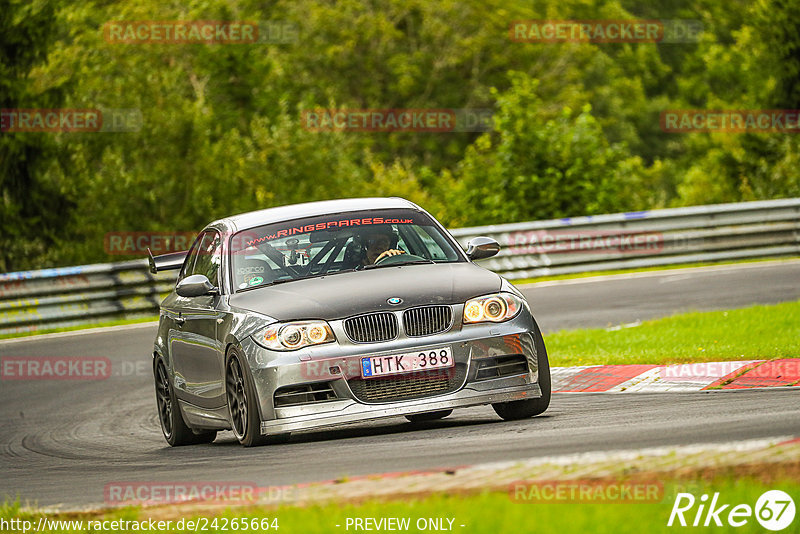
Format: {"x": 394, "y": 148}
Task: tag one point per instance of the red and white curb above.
{"x": 676, "y": 378}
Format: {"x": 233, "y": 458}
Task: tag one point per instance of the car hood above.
{"x": 342, "y": 295}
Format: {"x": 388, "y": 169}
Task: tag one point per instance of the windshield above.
{"x": 329, "y": 244}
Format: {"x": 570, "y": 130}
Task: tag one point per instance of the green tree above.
{"x": 539, "y": 164}
{"x": 33, "y": 207}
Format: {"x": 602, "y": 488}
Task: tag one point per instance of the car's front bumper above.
{"x": 336, "y": 364}
{"x": 353, "y": 411}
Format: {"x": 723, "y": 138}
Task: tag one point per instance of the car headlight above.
{"x": 295, "y": 335}
{"x": 492, "y": 308}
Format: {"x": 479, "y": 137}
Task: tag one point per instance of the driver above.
{"x": 379, "y": 243}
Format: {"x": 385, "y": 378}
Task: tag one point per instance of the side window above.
{"x": 191, "y": 258}
{"x": 209, "y": 257}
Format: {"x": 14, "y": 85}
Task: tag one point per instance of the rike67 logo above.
{"x": 774, "y": 510}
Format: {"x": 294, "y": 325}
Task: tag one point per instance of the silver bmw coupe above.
{"x": 335, "y": 312}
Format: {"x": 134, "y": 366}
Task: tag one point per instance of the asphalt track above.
{"x": 61, "y": 442}
{"x": 619, "y": 299}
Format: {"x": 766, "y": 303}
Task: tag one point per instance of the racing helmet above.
{"x": 370, "y": 232}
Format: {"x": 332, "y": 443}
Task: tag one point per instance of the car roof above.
{"x": 252, "y": 219}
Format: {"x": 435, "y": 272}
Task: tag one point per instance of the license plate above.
{"x": 396, "y": 364}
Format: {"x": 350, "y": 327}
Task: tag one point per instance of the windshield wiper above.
{"x": 396, "y": 264}
{"x": 283, "y": 280}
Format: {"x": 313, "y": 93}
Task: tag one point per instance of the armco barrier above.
{"x": 69, "y": 296}
{"x": 51, "y": 298}
{"x": 643, "y": 239}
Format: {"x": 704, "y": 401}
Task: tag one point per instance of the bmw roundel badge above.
{"x": 394, "y": 301}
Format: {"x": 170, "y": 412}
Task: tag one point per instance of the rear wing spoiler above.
{"x": 166, "y": 262}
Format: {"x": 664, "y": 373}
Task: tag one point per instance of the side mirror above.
{"x": 482, "y": 247}
{"x": 195, "y": 285}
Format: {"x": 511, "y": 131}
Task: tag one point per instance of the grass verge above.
{"x": 754, "y": 333}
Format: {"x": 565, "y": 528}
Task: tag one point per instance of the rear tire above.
{"x": 242, "y": 403}
{"x": 173, "y": 427}
{"x": 205, "y": 436}
{"x": 523, "y": 409}
{"x": 430, "y": 416}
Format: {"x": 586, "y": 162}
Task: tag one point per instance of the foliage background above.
{"x": 576, "y": 124}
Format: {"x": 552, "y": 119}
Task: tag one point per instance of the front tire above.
{"x": 430, "y": 416}
{"x": 174, "y": 428}
{"x": 514, "y": 410}
{"x": 242, "y": 403}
